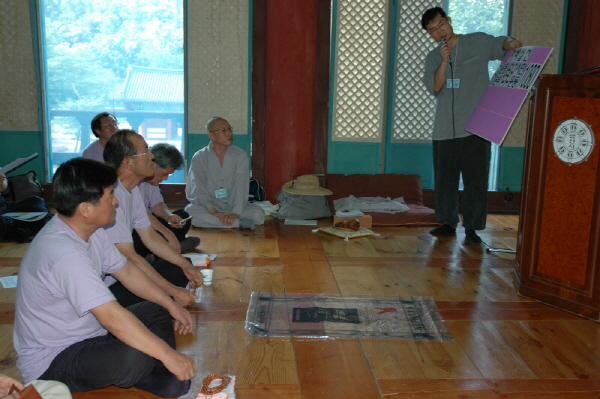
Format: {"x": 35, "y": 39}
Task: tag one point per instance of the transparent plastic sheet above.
{"x": 337, "y": 316}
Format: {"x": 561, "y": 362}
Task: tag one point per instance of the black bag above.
{"x": 294, "y": 206}
{"x": 22, "y": 186}
{"x": 257, "y": 192}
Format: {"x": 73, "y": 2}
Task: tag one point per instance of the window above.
{"x": 121, "y": 57}
{"x": 380, "y": 48}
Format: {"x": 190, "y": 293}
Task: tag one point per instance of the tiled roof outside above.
{"x": 153, "y": 85}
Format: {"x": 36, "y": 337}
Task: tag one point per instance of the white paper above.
{"x": 26, "y": 216}
{"x": 9, "y": 282}
{"x": 300, "y": 222}
{"x": 199, "y": 259}
{"x": 16, "y": 163}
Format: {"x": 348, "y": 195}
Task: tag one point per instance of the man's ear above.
{"x": 449, "y": 20}
{"x": 84, "y": 208}
{"x": 127, "y": 162}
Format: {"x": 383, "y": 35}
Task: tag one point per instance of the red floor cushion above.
{"x": 384, "y": 185}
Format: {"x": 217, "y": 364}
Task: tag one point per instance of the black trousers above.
{"x": 172, "y": 273}
{"x": 141, "y": 249}
{"x": 469, "y": 156}
{"x": 104, "y": 361}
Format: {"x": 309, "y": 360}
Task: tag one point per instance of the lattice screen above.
{"x": 359, "y": 82}
{"x": 18, "y": 90}
{"x": 414, "y": 107}
{"x": 217, "y": 63}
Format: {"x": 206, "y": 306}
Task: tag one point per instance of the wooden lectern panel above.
{"x": 557, "y": 253}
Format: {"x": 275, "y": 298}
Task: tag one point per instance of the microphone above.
{"x": 444, "y": 41}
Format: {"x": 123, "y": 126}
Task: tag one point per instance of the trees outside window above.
{"x": 120, "y": 56}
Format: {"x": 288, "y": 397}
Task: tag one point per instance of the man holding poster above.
{"x": 456, "y": 74}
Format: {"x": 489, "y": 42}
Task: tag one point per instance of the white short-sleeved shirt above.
{"x": 150, "y": 194}
{"x": 94, "y": 151}
{"x": 131, "y": 214}
{"x": 60, "y": 281}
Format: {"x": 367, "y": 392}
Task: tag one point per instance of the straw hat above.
{"x": 305, "y": 185}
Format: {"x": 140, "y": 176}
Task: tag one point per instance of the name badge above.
{"x": 452, "y": 83}
{"x": 221, "y": 193}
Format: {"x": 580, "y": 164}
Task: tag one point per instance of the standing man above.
{"x": 128, "y": 153}
{"x": 456, "y": 74}
{"x": 68, "y": 325}
{"x": 103, "y": 126}
{"x": 218, "y": 183}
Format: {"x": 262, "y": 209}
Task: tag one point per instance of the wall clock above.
{"x": 573, "y": 141}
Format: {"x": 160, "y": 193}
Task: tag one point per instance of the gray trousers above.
{"x": 202, "y": 218}
{"x": 469, "y": 156}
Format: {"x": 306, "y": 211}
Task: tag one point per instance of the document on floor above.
{"x": 9, "y": 281}
{"x": 337, "y": 316}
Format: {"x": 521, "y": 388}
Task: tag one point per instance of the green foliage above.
{"x": 88, "y": 46}
{"x": 478, "y": 16}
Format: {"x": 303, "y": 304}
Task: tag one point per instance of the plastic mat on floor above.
{"x": 336, "y": 316}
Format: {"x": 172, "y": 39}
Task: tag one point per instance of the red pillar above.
{"x": 290, "y": 91}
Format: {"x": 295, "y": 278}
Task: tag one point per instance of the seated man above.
{"x": 68, "y": 325}
{"x": 103, "y": 126}
{"x": 167, "y": 159}
{"x": 218, "y": 183}
{"x": 20, "y": 230}
{"x": 128, "y": 153}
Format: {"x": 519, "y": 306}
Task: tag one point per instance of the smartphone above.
{"x": 183, "y": 221}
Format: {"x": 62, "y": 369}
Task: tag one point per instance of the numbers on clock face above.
{"x": 573, "y": 141}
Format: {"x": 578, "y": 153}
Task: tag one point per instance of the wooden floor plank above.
{"x": 516, "y": 339}
{"x": 309, "y": 277}
{"x": 506, "y": 346}
{"x": 425, "y": 262}
{"x": 488, "y": 353}
{"x": 489, "y": 389}
{"x": 334, "y": 369}
{"x": 260, "y": 360}
{"x": 263, "y": 279}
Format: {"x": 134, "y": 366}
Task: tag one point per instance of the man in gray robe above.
{"x": 218, "y": 183}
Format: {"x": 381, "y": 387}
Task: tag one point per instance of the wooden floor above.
{"x": 506, "y": 346}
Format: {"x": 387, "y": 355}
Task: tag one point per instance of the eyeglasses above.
{"x": 223, "y": 130}
{"x": 111, "y": 125}
{"x": 147, "y": 153}
{"x": 440, "y": 25}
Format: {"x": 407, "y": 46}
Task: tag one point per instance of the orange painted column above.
{"x": 290, "y": 91}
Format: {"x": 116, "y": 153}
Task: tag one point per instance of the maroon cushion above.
{"x": 384, "y": 185}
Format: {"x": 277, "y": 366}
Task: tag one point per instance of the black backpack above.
{"x": 257, "y": 192}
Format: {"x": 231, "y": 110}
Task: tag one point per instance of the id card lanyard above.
{"x": 221, "y": 193}
{"x": 454, "y": 83}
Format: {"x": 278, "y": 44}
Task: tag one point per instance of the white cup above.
{"x": 207, "y": 276}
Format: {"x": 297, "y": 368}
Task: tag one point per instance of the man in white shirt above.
{"x": 128, "y": 153}
{"x": 68, "y": 325}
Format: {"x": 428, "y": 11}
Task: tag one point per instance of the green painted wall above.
{"x": 414, "y": 159}
{"x": 350, "y": 158}
{"x": 20, "y": 145}
{"x": 510, "y": 172}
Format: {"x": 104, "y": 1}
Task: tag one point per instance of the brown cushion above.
{"x": 384, "y": 185}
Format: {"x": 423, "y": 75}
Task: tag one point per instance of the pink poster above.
{"x": 506, "y": 93}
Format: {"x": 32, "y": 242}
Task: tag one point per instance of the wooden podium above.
{"x": 558, "y": 249}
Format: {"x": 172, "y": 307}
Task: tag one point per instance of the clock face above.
{"x": 573, "y": 141}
